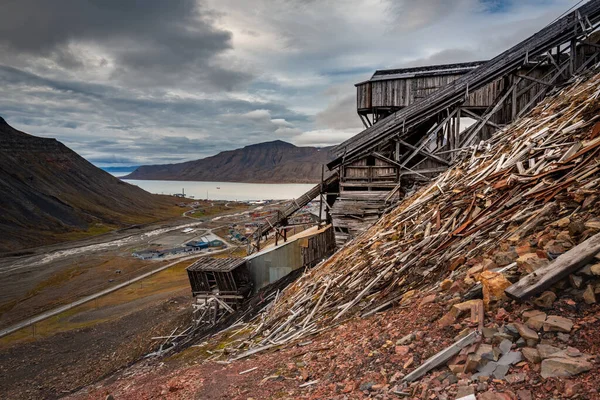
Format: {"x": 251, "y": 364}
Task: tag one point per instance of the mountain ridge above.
{"x": 275, "y": 161}
{"x": 47, "y": 190}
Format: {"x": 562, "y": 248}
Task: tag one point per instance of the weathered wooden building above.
{"x": 390, "y": 90}
{"x": 417, "y": 149}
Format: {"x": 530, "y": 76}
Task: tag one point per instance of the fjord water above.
{"x": 226, "y": 190}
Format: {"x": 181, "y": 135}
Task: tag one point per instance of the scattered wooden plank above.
{"x": 248, "y": 370}
{"x": 567, "y": 263}
{"x": 442, "y": 357}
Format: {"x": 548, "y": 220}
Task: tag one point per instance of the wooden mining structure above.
{"x": 219, "y": 286}
{"x": 326, "y": 191}
{"x": 418, "y": 121}
{"x": 416, "y": 118}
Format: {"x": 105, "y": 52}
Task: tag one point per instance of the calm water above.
{"x": 227, "y": 191}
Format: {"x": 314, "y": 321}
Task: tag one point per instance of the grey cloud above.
{"x": 341, "y": 114}
{"x": 152, "y": 43}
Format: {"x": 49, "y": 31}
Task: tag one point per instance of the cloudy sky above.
{"x": 130, "y": 82}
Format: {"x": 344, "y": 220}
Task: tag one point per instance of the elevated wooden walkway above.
{"x": 280, "y": 219}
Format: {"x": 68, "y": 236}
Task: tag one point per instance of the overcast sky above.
{"x": 130, "y": 82}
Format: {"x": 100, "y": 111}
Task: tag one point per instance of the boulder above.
{"x": 493, "y": 396}
{"x": 555, "y": 323}
{"x": 567, "y": 366}
{"x": 427, "y": 300}
{"x": 563, "y": 222}
{"x": 524, "y": 394}
{"x": 406, "y": 339}
{"x": 576, "y": 281}
{"x": 536, "y": 321}
{"x": 503, "y": 258}
{"x": 446, "y": 284}
{"x": 473, "y": 363}
{"x": 464, "y": 391}
{"x": 505, "y": 346}
{"x": 516, "y": 378}
{"x": 402, "y": 350}
{"x": 576, "y": 228}
{"x": 572, "y": 388}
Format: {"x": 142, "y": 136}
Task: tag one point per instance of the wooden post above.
{"x": 573, "y": 56}
{"x": 456, "y": 133}
{"x": 513, "y": 113}
{"x": 321, "y": 195}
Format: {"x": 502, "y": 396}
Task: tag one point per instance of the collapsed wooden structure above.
{"x": 219, "y": 285}
{"x": 416, "y": 128}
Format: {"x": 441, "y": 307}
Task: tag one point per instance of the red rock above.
{"x": 457, "y": 263}
{"x": 493, "y": 396}
{"x": 524, "y": 394}
{"x": 572, "y": 388}
{"x": 427, "y": 300}
{"x": 530, "y": 262}
{"x": 522, "y": 250}
{"x": 501, "y": 315}
{"x": 350, "y": 387}
{"x": 402, "y": 350}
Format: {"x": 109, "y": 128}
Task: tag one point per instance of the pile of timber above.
{"x": 542, "y": 168}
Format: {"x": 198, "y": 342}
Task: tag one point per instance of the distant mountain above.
{"x": 268, "y": 162}
{"x": 48, "y": 193}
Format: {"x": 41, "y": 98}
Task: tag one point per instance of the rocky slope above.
{"x": 48, "y": 191}
{"x": 269, "y": 162}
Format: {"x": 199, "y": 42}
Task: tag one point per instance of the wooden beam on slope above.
{"x": 565, "y": 264}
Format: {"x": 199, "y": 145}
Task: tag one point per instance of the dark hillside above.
{"x": 48, "y": 190}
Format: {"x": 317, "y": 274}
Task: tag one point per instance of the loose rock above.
{"x": 555, "y": 323}
{"x": 567, "y": 366}
{"x": 545, "y": 300}
{"x": 588, "y": 295}
{"x": 531, "y": 355}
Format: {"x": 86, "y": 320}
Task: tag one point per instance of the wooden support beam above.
{"x": 514, "y": 100}
{"x": 479, "y": 118}
{"x": 364, "y": 122}
{"x": 529, "y": 78}
{"x": 428, "y": 137}
{"x": 488, "y": 115}
{"x": 424, "y": 152}
{"x": 400, "y": 166}
{"x": 567, "y": 263}
{"x": 542, "y": 92}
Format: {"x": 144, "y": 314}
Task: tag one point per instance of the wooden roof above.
{"x": 429, "y": 70}
{"x": 216, "y": 264}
